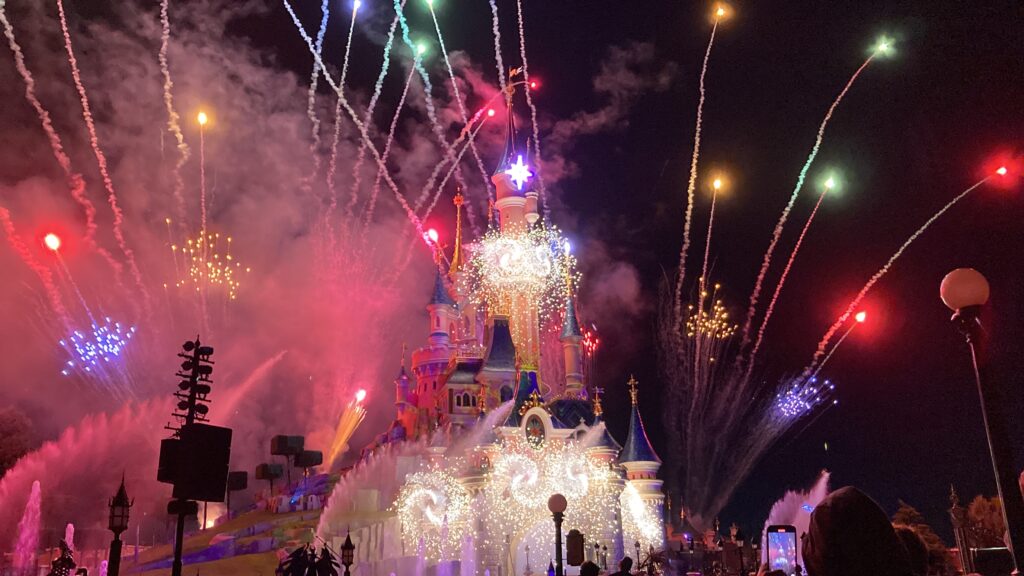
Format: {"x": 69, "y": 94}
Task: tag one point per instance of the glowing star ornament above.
{"x": 52, "y": 241}
{"x": 519, "y": 172}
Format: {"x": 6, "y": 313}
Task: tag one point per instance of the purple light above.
{"x": 519, "y": 172}
{"x": 800, "y": 398}
{"x": 104, "y": 343}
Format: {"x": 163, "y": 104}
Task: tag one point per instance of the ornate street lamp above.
{"x": 964, "y": 291}
{"x": 119, "y": 507}
{"x": 348, "y": 550}
{"x": 557, "y": 505}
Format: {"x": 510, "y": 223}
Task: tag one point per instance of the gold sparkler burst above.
{"x": 711, "y": 321}
{"x": 640, "y": 520}
{"x": 514, "y": 499}
{"x": 434, "y": 507}
{"x": 535, "y": 265}
{"x": 207, "y": 266}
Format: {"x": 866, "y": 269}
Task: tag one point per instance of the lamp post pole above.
{"x": 557, "y": 505}
{"x": 965, "y": 291}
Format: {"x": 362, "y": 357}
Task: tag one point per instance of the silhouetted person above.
{"x": 917, "y": 552}
{"x": 589, "y": 569}
{"x": 625, "y": 565}
{"x": 850, "y": 535}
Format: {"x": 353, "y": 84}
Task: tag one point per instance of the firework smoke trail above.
{"x": 458, "y": 99}
{"x": 367, "y": 118}
{"x": 332, "y": 165}
{"x": 752, "y": 307}
{"x": 691, "y": 187}
{"x": 44, "y": 274}
{"x": 360, "y": 125}
{"x": 314, "y": 80}
{"x": 497, "y": 46}
{"x": 778, "y": 288}
{"x": 878, "y": 276}
{"x": 455, "y": 162}
{"x": 172, "y": 114}
{"x": 835, "y": 347}
{"x": 101, "y": 160}
{"x": 75, "y": 182}
{"x": 387, "y": 151}
{"x": 707, "y": 245}
{"x": 428, "y": 88}
{"x": 533, "y": 112}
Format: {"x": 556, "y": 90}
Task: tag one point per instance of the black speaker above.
{"x": 286, "y": 445}
{"x": 170, "y": 455}
{"x": 238, "y": 480}
{"x": 309, "y": 459}
{"x": 203, "y": 470}
{"x": 186, "y": 507}
{"x": 269, "y": 471}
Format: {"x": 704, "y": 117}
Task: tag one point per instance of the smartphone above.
{"x": 781, "y": 548}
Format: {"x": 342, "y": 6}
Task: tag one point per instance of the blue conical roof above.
{"x": 606, "y": 440}
{"x": 526, "y": 386}
{"x": 501, "y": 351}
{"x": 570, "y": 325}
{"x": 638, "y": 447}
{"x": 441, "y": 295}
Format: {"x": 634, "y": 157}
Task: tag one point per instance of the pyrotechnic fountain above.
{"x": 28, "y": 533}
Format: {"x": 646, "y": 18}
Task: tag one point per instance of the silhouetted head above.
{"x": 626, "y": 564}
{"x": 589, "y": 569}
{"x": 849, "y": 535}
{"x": 917, "y": 552}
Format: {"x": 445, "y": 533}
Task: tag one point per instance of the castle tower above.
{"x": 498, "y": 373}
{"x": 405, "y": 397}
{"x": 642, "y": 464}
{"x": 430, "y": 363}
{"x": 468, "y": 334}
{"x": 517, "y": 211}
{"x": 571, "y": 338}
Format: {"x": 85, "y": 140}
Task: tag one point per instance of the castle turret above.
{"x": 642, "y": 464}
{"x": 571, "y": 338}
{"x": 498, "y": 372}
{"x": 442, "y": 312}
{"x": 516, "y": 201}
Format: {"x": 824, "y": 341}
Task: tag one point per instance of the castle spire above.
{"x": 638, "y": 447}
{"x": 457, "y": 253}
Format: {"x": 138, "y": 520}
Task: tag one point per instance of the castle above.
{"x": 484, "y": 352}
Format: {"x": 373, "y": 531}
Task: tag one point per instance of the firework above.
{"x": 172, "y": 115}
{"x": 885, "y": 270}
{"x": 532, "y": 264}
{"x": 206, "y": 266}
{"x": 332, "y": 165}
{"x": 43, "y": 272}
{"x": 525, "y": 475}
{"x": 434, "y": 508}
{"x": 101, "y": 160}
{"x": 458, "y": 99}
{"x": 387, "y": 150}
{"x": 691, "y": 186}
{"x": 496, "y": 30}
{"x": 881, "y": 49}
{"x": 95, "y": 350}
{"x": 351, "y": 417}
{"x": 829, "y": 184}
{"x": 533, "y": 110}
{"x": 800, "y": 398}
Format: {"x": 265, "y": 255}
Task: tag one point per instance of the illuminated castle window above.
{"x": 535, "y": 431}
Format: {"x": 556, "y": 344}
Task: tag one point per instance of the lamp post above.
{"x": 557, "y": 505}
{"x": 348, "y": 550}
{"x": 118, "y": 523}
{"x": 964, "y": 291}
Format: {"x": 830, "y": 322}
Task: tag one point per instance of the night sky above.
{"x": 915, "y": 130}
